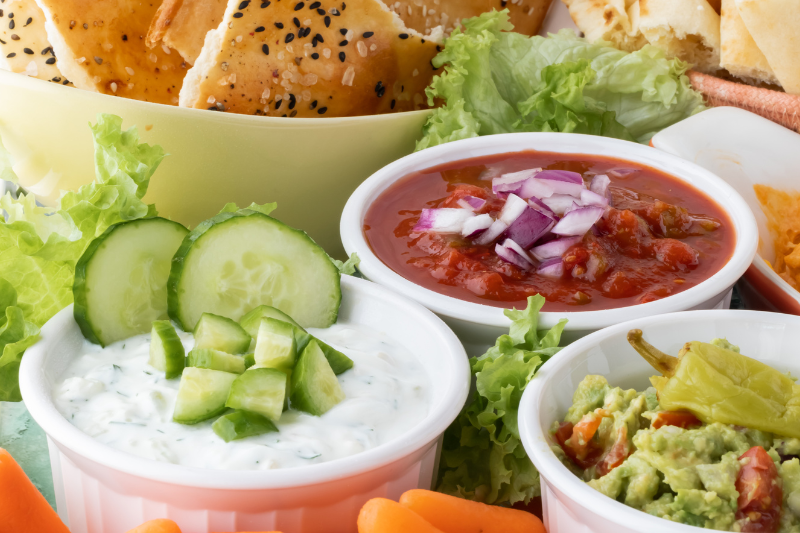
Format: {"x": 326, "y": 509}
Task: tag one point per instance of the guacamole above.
{"x": 673, "y": 466}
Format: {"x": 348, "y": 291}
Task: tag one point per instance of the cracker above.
{"x": 183, "y": 24}
{"x": 740, "y": 55}
{"x": 24, "y": 47}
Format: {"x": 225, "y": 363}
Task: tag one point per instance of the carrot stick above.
{"x": 159, "y": 525}
{"x": 22, "y": 506}
{"x": 456, "y": 515}
{"x": 380, "y": 515}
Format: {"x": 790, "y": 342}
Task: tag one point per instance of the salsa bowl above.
{"x": 477, "y": 324}
{"x": 99, "y": 488}
{"x": 569, "y": 504}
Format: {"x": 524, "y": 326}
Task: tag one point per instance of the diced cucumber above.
{"x": 315, "y": 388}
{"x": 201, "y": 394}
{"x": 249, "y": 360}
{"x": 216, "y": 360}
{"x": 252, "y": 320}
{"x": 166, "y": 349}
{"x": 261, "y": 390}
{"x": 339, "y": 362}
{"x": 234, "y": 262}
{"x": 275, "y": 345}
{"x": 120, "y": 284}
{"x": 220, "y": 333}
{"x": 241, "y": 424}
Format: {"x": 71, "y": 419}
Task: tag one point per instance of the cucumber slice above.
{"x": 339, "y": 362}
{"x": 120, "y": 284}
{"x": 315, "y": 388}
{"x": 261, "y": 390}
{"x": 235, "y": 262}
{"x": 252, "y": 320}
{"x": 249, "y": 360}
{"x": 275, "y": 345}
{"x": 166, "y": 349}
{"x": 201, "y": 394}
{"x": 220, "y": 333}
{"x": 216, "y": 360}
{"x": 241, "y": 424}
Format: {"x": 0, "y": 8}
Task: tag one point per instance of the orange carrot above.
{"x": 159, "y": 525}
{"x": 380, "y": 515}
{"x": 22, "y": 506}
{"x": 456, "y": 515}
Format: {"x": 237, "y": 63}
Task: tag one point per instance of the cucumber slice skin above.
{"x": 220, "y": 333}
{"x": 96, "y": 307}
{"x": 241, "y": 424}
{"x": 216, "y": 360}
{"x": 275, "y": 345}
{"x": 261, "y": 390}
{"x": 252, "y": 320}
{"x": 202, "y": 395}
{"x": 310, "y": 283}
{"x": 249, "y": 360}
{"x": 315, "y": 388}
{"x": 166, "y": 349}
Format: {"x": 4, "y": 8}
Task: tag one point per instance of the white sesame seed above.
{"x": 285, "y": 96}
{"x": 278, "y": 97}
{"x": 415, "y": 73}
{"x": 409, "y": 10}
{"x": 306, "y": 95}
{"x": 96, "y": 79}
{"x": 362, "y": 48}
{"x": 238, "y": 38}
{"x": 153, "y": 58}
{"x": 113, "y": 87}
{"x": 307, "y": 22}
{"x": 230, "y": 25}
{"x": 224, "y": 66}
{"x": 373, "y": 47}
{"x": 266, "y": 93}
{"x": 107, "y": 46}
{"x": 431, "y": 12}
{"x": 80, "y": 60}
{"x": 349, "y": 35}
{"x": 174, "y": 100}
{"x": 32, "y": 69}
{"x": 424, "y": 11}
{"x": 165, "y": 66}
{"x": 130, "y": 86}
{"x": 165, "y": 48}
{"x": 233, "y": 42}
{"x": 530, "y": 11}
{"x": 281, "y": 55}
{"x": 309, "y": 79}
{"x": 326, "y": 52}
{"x": 212, "y": 99}
{"x": 286, "y": 75}
{"x": 130, "y": 71}
{"x": 349, "y": 75}
{"x": 289, "y": 48}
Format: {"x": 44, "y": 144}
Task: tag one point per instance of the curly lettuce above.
{"x": 498, "y": 81}
{"x": 482, "y": 456}
{"x": 40, "y": 246}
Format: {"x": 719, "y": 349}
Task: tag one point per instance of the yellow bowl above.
{"x": 309, "y": 166}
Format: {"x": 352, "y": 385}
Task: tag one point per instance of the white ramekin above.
{"x": 570, "y": 505}
{"x": 479, "y": 325}
{"x": 100, "y": 489}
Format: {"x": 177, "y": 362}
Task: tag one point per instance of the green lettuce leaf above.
{"x": 349, "y": 267}
{"x": 16, "y": 335}
{"x": 482, "y": 457}
{"x": 497, "y": 81}
{"x": 39, "y": 246}
{"x": 231, "y": 207}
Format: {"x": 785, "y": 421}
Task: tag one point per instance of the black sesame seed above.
{"x": 85, "y": 26}
{"x": 296, "y": 21}
{"x": 212, "y": 108}
{"x": 284, "y": 115}
{"x": 343, "y": 31}
{"x": 2, "y": 41}
{"x": 315, "y": 56}
{"x": 292, "y": 101}
{"x": 30, "y": 19}
{"x": 56, "y": 79}
{"x": 11, "y": 15}
{"x": 343, "y": 43}
{"x": 289, "y": 38}
{"x": 344, "y": 6}
{"x": 299, "y": 6}
{"x": 315, "y": 5}
{"x": 380, "y": 90}
{"x": 14, "y": 37}
{"x": 293, "y": 113}
{"x": 279, "y": 25}
{"x": 438, "y": 48}
{"x": 66, "y": 82}
{"x": 322, "y": 110}
{"x": 124, "y": 37}
{"x": 313, "y": 105}
{"x": 368, "y": 34}
{"x": 244, "y": 4}
{"x": 238, "y": 15}
{"x": 503, "y": 3}
{"x": 220, "y": 106}
{"x": 342, "y": 57}
{"x": 1, "y": 12}
{"x": 46, "y": 51}
{"x": 319, "y": 38}
{"x": 50, "y": 60}
{"x": 404, "y": 36}
{"x": 265, "y": 4}
{"x": 265, "y": 49}
{"x": 320, "y": 11}
{"x": 335, "y": 12}
{"x": 28, "y": 51}
{"x": 306, "y": 32}
{"x": 12, "y": 54}
{"x": 327, "y": 21}
{"x": 259, "y": 29}
{"x": 392, "y": 104}
{"x": 98, "y": 60}
{"x": 278, "y": 103}
{"x": 11, "y": 25}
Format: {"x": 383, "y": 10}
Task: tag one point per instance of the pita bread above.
{"x": 183, "y": 24}
{"x": 24, "y": 47}
{"x": 616, "y": 21}
{"x": 687, "y": 29}
{"x": 310, "y": 58}
{"x": 740, "y": 55}
{"x": 774, "y": 26}
{"x": 100, "y": 47}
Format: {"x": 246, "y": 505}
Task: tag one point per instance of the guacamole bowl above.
{"x": 308, "y": 166}
{"x": 569, "y": 504}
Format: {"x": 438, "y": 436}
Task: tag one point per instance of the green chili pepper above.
{"x": 720, "y": 385}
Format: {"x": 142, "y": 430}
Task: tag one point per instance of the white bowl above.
{"x": 100, "y": 489}
{"x": 479, "y": 325}
{"x": 569, "y": 504}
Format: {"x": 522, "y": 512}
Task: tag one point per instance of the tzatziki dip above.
{"x": 116, "y": 397}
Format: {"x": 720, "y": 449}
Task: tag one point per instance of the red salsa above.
{"x": 657, "y": 237}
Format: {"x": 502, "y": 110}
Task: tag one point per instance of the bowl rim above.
{"x": 536, "y": 443}
{"x": 39, "y": 403}
{"x": 746, "y": 241}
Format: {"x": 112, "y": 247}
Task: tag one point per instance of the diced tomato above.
{"x": 578, "y": 445}
{"x": 760, "y": 493}
{"x": 628, "y": 230}
{"x": 620, "y": 285}
{"x": 681, "y": 419}
{"x": 675, "y": 254}
{"x": 617, "y": 454}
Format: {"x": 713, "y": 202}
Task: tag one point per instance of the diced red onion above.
{"x": 476, "y": 225}
{"x": 541, "y": 207}
{"x": 445, "y": 220}
{"x": 514, "y": 245}
{"x": 513, "y": 208}
{"x": 511, "y": 183}
{"x": 592, "y": 198}
{"x": 552, "y": 268}
{"x": 622, "y": 172}
{"x": 535, "y": 188}
{"x": 600, "y": 185}
{"x": 556, "y": 248}
{"x": 490, "y": 235}
{"x": 573, "y": 207}
{"x": 529, "y": 227}
{"x": 563, "y": 181}
{"x": 512, "y": 253}
{"x": 579, "y": 221}
{"x": 559, "y": 203}
{"x": 472, "y": 202}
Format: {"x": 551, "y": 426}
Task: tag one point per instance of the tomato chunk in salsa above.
{"x": 658, "y": 236}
